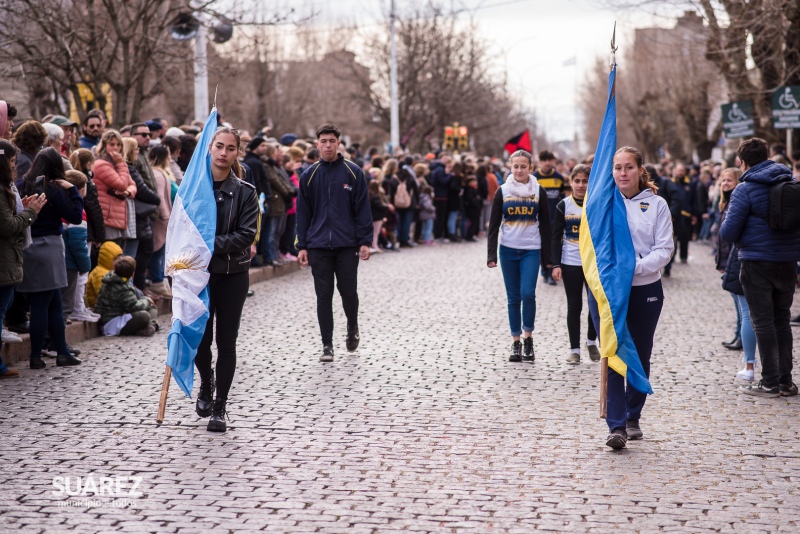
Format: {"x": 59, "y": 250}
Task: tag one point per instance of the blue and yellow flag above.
{"x": 190, "y": 244}
{"x": 607, "y": 252}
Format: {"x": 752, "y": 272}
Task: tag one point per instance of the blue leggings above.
{"x": 519, "y": 274}
{"x": 644, "y": 308}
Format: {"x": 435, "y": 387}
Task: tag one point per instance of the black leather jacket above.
{"x": 237, "y": 223}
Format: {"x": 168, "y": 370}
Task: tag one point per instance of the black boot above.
{"x": 205, "y": 399}
{"x": 736, "y": 344}
{"x": 516, "y": 352}
{"x": 217, "y": 422}
{"x": 528, "y": 346}
{"x": 63, "y": 360}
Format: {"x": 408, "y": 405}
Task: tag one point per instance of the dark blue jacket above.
{"x": 88, "y": 142}
{"x": 730, "y": 279}
{"x": 439, "y": 180}
{"x": 746, "y": 223}
{"x": 333, "y": 206}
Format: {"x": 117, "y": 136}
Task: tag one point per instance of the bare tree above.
{"x": 444, "y": 76}
{"x": 62, "y": 44}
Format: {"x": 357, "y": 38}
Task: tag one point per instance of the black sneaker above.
{"x": 632, "y": 430}
{"x": 759, "y": 390}
{"x": 795, "y": 321}
{"x": 352, "y": 339}
{"x": 205, "y": 398}
{"x": 528, "y": 355}
{"x": 217, "y": 421}
{"x": 327, "y": 354}
{"x": 516, "y": 352}
{"x": 617, "y": 439}
{"x": 37, "y": 363}
{"x": 788, "y": 391}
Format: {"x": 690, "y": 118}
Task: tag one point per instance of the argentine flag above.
{"x": 607, "y": 252}
{"x": 190, "y": 244}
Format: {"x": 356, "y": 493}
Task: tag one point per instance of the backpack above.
{"x": 402, "y": 199}
{"x": 784, "y": 206}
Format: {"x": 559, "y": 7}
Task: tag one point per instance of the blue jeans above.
{"x": 519, "y": 274}
{"x": 271, "y": 229}
{"x": 404, "y": 219}
{"x": 452, "y": 218}
{"x": 427, "y": 230}
{"x": 746, "y": 332}
{"x": 6, "y": 294}
{"x": 157, "y": 265}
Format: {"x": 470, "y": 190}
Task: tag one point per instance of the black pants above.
{"x": 769, "y": 290}
{"x": 343, "y": 264}
{"x": 47, "y": 319}
{"x": 227, "y": 293}
{"x": 474, "y": 221}
{"x": 574, "y": 282}
{"x": 440, "y": 223}
{"x": 683, "y": 234}
{"x": 143, "y": 255}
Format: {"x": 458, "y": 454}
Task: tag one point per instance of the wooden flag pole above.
{"x": 603, "y": 387}
{"x": 162, "y": 405}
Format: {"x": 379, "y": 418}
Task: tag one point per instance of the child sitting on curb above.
{"x": 123, "y": 311}
{"x": 109, "y": 253}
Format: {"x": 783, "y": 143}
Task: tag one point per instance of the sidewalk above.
{"x": 79, "y": 331}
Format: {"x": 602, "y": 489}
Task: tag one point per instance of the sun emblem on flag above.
{"x": 187, "y": 261}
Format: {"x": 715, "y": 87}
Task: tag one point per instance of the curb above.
{"x": 78, "y": 331}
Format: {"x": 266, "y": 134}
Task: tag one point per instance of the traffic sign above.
{"x": 786, "y": 107}
{"x": 737, "y": 119}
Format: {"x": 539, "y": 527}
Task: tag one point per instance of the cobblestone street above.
{"x": 427, "y": 427}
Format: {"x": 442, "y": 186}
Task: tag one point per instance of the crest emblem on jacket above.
{"x": 644, "y": 206}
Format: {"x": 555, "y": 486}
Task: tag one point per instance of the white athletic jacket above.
{"x": 650, "y": 224}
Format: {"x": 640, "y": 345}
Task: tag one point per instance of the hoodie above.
{"x": 650, "y": 224}
{"x": 746, "y": 222}
{"x": 108, "y": 251}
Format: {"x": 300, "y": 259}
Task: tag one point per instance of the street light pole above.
{"x": 395, "y": 104}
{"x": 200, "y": 75}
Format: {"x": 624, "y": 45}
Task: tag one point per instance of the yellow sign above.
{"x": 90, "y": 102}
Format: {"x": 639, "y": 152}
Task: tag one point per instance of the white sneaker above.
{"x": 84, "y": 316}
{"x": 10, "y": 337}
{"x": 746, "y": 374}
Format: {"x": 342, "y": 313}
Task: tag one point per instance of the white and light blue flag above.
{"x": 190, "y": 244}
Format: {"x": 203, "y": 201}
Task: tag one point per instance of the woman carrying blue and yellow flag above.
{"x": 625, "y": 240}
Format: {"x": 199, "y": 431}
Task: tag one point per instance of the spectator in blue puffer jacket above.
{"x": 768, "y": 266}
{"x": 76, "y": 251}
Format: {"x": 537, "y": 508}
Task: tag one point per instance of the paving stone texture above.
{"x": 426, "y": 428}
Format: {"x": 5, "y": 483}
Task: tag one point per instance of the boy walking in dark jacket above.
{"x": 334, "y": 230}
{"x": 768, "y": 266}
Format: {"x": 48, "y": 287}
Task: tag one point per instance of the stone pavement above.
{"x": 427, "y": 427}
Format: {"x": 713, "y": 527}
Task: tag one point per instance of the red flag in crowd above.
{"x": 520, "y": 141}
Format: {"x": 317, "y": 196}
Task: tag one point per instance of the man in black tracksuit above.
{"x": 334, "y": 230}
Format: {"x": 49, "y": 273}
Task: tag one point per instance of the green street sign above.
{"x": 786, "y": 107}
{"x": 737, "y": 119}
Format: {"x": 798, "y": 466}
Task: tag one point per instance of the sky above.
{"x": 530, "y": 40}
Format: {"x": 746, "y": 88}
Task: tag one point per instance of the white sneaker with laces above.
{"x": 10, "y": 337}
{"x": 84, "y": 316}
{"x": 746, "y": 374}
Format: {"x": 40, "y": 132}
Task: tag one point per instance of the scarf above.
{"x": 526, "y": 190}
